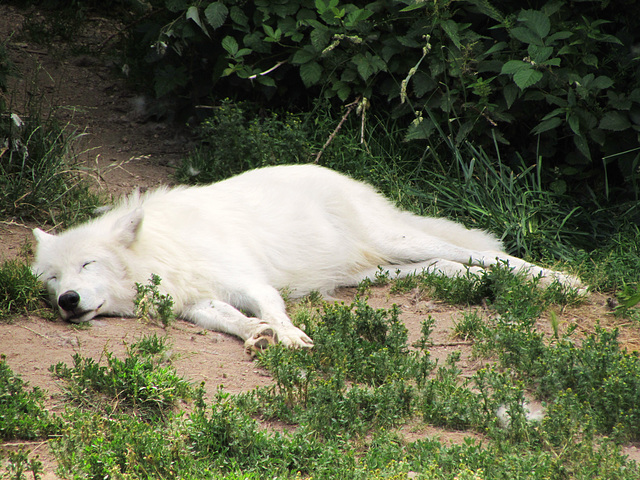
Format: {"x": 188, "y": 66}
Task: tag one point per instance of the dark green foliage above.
{"x": 22, "y": 412}
{"x": 604, "y": 379}
{"x": 234, "y": 139}
{"x": 536, "y": 78}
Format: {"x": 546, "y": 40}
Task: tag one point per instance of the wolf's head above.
{"x": 83, "y": 268}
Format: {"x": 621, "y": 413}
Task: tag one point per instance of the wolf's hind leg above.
{"x": 443, "y": 267}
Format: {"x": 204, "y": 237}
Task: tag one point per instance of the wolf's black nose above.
{"x": 69, "y": 300}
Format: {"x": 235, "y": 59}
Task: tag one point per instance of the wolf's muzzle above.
{"x": 69, "y": 300}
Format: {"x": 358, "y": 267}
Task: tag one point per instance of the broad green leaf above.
{"x": 488, "y": 9}
{"x": 324, "y": 5}
{"x": 363, "y": 65}
{"x": 368, "y": 64}
{"x": 193, "y": 15}
{"x": 553, "y": 62}
{"x": 451, "y": 28}
{"x": 510, "y": 93}
{"x": 498, "y": 47}
{"x": 305, "y": 14}
{"x": 238, "y": 16}
{"x": 266, "y": 80}
{"x": 590, "y": 59}
{"x": 619, "y": 101}
{"x": 574, "y": 123}
{"x": 602, "y": 82}
{"x": 310, "y": 73}
{"x": 230, "y": 45}
{"x": 342, "y": 89}
{"x": 288, "y": 26}
{"x": 536, "y": 21}
{"x": 216, "y": 14}
{"x": 356, "y": 16}
{"x": 417, "y": 5}
{"x": 304, "y": 55}
{"x": 320, "y": 38}
{"x": 272, "y": 35}
{"x": 526, "y": 35}
{"x": 514, "y": 66}
{"x": 422, "y": 83}
{"x": 554, "y": 113}
{"x": 527, "y": 77}
{"x": 582, "y": 145}
{"x": 614, "y": 121}
{"x": 420, "y": 129}
{"x": 546, "y": 125}
{"x": 539, "y": 54}
{"x": 558, "y": 36}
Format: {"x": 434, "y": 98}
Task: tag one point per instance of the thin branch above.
{"x": 337, "y": 129}
{"x": 266, "y": 72}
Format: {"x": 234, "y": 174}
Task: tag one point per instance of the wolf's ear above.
{"x": 42, "y": 236}
{"x": 128, "y": 227}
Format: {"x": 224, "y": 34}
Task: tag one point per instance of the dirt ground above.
{"x": 122, "y": 152}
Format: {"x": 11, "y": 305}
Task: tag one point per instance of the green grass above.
{"x": 40, "y": 176}
{"x": 20, "y": 290}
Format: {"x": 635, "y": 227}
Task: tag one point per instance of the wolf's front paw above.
{"x": 266, "y": 335}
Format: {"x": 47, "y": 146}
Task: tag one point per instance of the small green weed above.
{"x": 470, "y": 326}
{"x": 143, "y": 382}
{"x": 19, "y": 464}
{"x": 150, "y": 303}
{"x": 22, "y": 412}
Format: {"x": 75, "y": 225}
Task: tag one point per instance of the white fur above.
{"x": 231, "y": 246}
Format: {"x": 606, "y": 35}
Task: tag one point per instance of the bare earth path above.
{"x": 125, "y": 153}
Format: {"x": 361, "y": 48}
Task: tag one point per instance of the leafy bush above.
{"x": 541, "y": 81}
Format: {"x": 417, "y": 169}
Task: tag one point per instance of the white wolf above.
{"x": 228, "y": 248}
